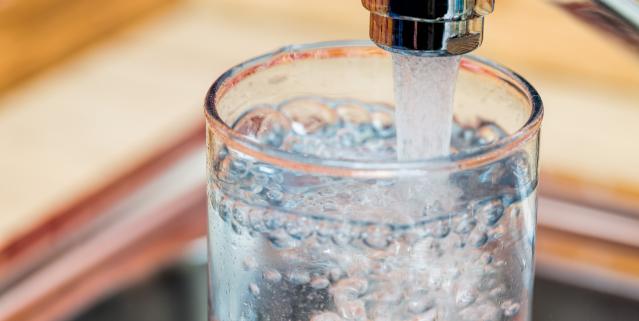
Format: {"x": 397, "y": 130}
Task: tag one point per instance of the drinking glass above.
{"x": 311, "y": 217}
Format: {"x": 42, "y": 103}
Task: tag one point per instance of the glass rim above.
{"x": 471, "y": 158}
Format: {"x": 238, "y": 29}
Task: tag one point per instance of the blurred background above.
{"x": 102, "y": 204}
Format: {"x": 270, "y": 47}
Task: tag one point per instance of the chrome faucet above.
{"x": 455, "y": 27}
{"x": 428, "y": 27}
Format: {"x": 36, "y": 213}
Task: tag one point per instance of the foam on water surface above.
{"x": 424, "y": 89}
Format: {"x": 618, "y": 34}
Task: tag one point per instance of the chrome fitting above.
{"x": 428, "y": 27}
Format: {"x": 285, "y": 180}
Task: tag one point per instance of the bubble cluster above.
{"x": 320, "y": 248}
{"x": 324, "y": 128}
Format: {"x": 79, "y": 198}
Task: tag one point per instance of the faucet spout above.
{"x": 428, "y": 27}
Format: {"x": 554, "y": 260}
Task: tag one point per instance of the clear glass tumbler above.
{"x": 311, "y": 217}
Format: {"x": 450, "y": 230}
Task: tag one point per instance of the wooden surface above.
{"x": 75, "y": 127}
{"x": 37, "y": 33}
{"x": 588, "y": 262}
{"x": 117, "y": 235}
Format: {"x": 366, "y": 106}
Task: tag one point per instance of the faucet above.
{"x": 455, "y": 27}
{"x": 428, "y": 27}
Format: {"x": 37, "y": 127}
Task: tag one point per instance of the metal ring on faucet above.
{"x": 430, "y": 10}
{"x": 428, "y": 27}
{"x": 444, "y": 38}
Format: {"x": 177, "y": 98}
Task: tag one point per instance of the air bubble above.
{"x": 272, "y": 276}
{"x": 520, "y": 168}
{"x": 386, "y": 293}
{"x": 377, "y": 238}
{"x": 497, "y": 292}
{"x": 275, "y": 196}
{"x": 488, "y": 281}
{"x": 341, "y": 238}
{"x": 255, "y": 188}
{"x": 465, "y": 297}
{"x": 299, "y": 277}
{"x": 237, "y": 228}
{"x": 478, "y": 238}
{"x": 308, "y": 115}
{"x": 465, "y": 226}
{"x": 249, "y": 263}
{"x": 510, "y": 308}
{"x": 353, "y": 310}
{"x": 430, "y": 315}
{"x": 225, "y": 211}
{"x": 486, "y": 258}
{"x": 293, "y": 257}
{"x": 238, "y": 168}
{"x": 380, "y": 268}
{"x": 497, "y": 232}
{"x": 353, "y": 113}
{"x": 335, "y": 274}
{"x": 492, "y": 173}
{"x": 260, "y": 178}
{"x": 383, "y": 124}
{"x": 364, "y": 132}
{"x": 256, "y": 220}
{"x": 489, "y": 133}
{"x": 255, "y": 290}
{"x": 346, "y": 139}
{"x": 359, "y": 285}
{"x": 292, "y": 204}
{"x": 468, "y": 134}
{"x": 272, "y": 220}
{"x": 319, "y": 283}
{"x": 239, "y": 217}
{"x": 343, "y": 294}
{"x": 265, "y": 125}
{"x": 222, "y": 151}
{"x": 490, "y": 211}
{"x": 299, "y": 229}
{"x": 329, "y": 206}
{"x": 418, "y": 303}
{"x": 280, "y": 239}
{"x": 266, "y": 169}
{"x": 441, "y": 229}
